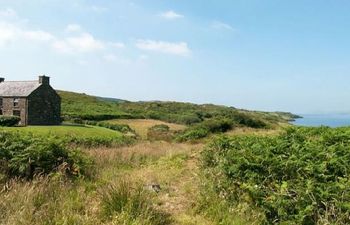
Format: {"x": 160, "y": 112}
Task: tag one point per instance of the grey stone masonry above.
{"x": 35, "y": 102}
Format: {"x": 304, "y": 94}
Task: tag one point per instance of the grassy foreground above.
{"x": 119, "y": 193}
{"x": 248, "y": 176}
{"x": 149, "y": 183}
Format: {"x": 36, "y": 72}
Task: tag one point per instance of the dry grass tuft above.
{"x": 46, "y": 201}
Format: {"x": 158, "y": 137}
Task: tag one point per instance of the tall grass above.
{"x": 126, "y": 203}
{"x": 46, "y": 200}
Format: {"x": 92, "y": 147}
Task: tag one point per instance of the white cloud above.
{"x": 180, "y": 48}
{"x": 74, "y": 40}
{"x": 8, "y": 13}
{"x": 85, "y": 42}
{"x": 171, "y": 15}
{"x": 221, "y": 25}
{"x": 8, "y": 33}
{"x": 38, "y": 35}
{"x": 73, "y": 28}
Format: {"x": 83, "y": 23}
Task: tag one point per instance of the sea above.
{"x": 331, "y": 120}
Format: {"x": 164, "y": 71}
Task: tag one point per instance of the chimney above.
{"x": 44, "y": 80}
{"x": 2, "y": 79}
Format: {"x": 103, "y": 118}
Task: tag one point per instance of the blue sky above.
{"x": 264, "y": 55}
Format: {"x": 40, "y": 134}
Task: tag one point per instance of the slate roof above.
{"x": 18, "y": 88}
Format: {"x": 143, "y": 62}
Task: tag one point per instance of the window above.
{"x": 15, "y": 102}
{"x": 0, "y": 112}
{"x": 17, "y": 113}
{"x": 1, "y": 103}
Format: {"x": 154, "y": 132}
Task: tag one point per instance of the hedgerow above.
{"x": 123, "y": 128}
{"x": 9, "y": 121}
{"x": 299, "y": 177}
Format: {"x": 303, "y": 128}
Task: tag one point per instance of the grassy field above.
{"x": 56, "y": 201}
{"x": 66, "y": 130}
{"x": 141, "y": 126}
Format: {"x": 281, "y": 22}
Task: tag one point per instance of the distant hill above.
{"x": 110, "y": 99}
{"x": 86, "y": 107}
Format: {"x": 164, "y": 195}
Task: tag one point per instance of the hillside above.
{"x": 82, "y": 106}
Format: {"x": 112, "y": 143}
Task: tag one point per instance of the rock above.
{"x": 153, "y": 187}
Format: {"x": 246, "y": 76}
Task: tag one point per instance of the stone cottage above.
{"x": 35, "y": 102}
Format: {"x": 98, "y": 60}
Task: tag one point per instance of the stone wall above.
{"x": 44, "y": 106}
{"x": 8, "y": 108}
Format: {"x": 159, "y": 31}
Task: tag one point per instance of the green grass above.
{"x": 85, "y": 136}
{"x": 66, "y": 130}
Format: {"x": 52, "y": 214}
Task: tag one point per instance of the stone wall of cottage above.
{"x": 10, "y": 109}
{"x": 44, "y": 106}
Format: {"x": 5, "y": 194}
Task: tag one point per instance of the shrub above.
{"x": 26, "y": 156}
{"x": 160, "y": 128}
{"x": 193, "y": 134}
{"x": 123, "y": 128}
{"x": 205, "y": 128}
{"x": 96, "y": 117}
{"x": 160, "y": 132}
{"x": 298, "y": 177}
{"x": 188, "y": 119}
{"x": 248, "y": 120}
{"x": 217, "y": 125}
{"x": 130, "y": 205}
{"x": 9, "y": 121}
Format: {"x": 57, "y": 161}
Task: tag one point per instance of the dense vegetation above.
{"x": 9, "y": 121}
{"x": 202, "y": 120}
{"x": 26, "y": 156}
{"x": 201, "y": 130}
{"x": 86, "y": 107}
{"x": 298, "y": 177}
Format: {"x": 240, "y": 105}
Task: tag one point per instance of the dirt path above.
{"x": 181, "y": 197}
{"x": 177, "y": 174}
